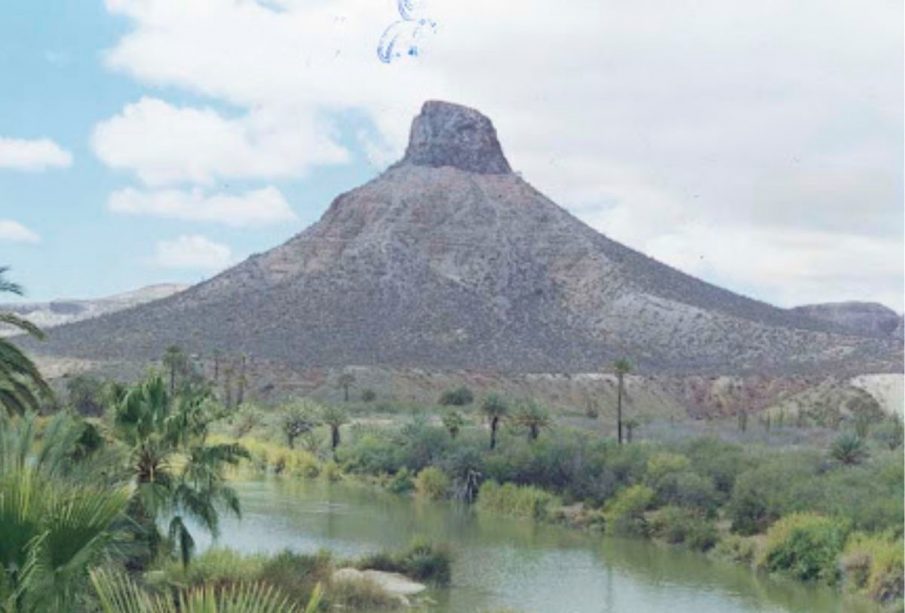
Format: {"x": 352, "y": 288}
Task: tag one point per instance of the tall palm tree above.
{"x": 622, "y": 367}
{"x": 334, "y": 417}
{"x": 175, "y": 472}
{"x": 22, "y": 388}
{"x": 495, "y": 409}
{"x": 344, "y": 382}
{"x": 534, "y": 417}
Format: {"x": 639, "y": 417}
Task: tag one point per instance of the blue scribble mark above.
{"x": 402, "y": 36}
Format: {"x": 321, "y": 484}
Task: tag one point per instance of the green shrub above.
{"x": 764, "y": 493}
{"x": 401, "y": 482}
{"x": 889, "y": 432}
{"x": 625, "y": 514}
{"x": 361, "y": 594}
{"x": 215, "y": 566}
{"x": 804, "y": 545}
{"x": 664, "y": 463}
{"x": 679, "y": 525}
{"x": 368, "y": 395}
{"x": 297, "y": 574}
{"x": 458, "y": 397}
{"x": 331, "y": 471}
{"x": 517, "y": 500}
{"x": 423, "y": 561}
{"x": 736, "y": 548}
{"x": 874, "y": 565}
{"x": 721, "y": 462}
{"x": 432, "y": 483}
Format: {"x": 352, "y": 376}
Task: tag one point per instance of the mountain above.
{"x": 864, "y": 318}
{"x": 63, "y": 311}
{"x": 449, "y": 260}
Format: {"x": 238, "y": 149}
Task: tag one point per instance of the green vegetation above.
{"x": 95, "y": 500}
{"x": 423, "y": 561}
{"x": 432, "y": 483}
{"x": 457, "y": 397}
{"x": 22, "y": 388}
{"x": 804, "y": 545}
{"x": 517, "y": 500}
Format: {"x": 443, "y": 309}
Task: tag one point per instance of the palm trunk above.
{"x": 619, "y": 409}
{"x": 494, "y": 422}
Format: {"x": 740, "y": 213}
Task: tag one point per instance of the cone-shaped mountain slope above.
{"x": 449, "y": 260}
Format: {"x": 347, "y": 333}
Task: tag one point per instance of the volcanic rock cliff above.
{"x": 449, "y": 260}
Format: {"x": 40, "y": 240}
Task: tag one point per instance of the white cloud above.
{"x": 32, "y": 155}
{"x": 165, "y": 144}
{"x": 194, "y": 252}
{"x": 260, "y": 207}
{"x": 15, "y": 232}
{"x": 650, "y": 120}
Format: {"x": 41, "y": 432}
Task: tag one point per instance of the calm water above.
{"x": 501, "y": 562}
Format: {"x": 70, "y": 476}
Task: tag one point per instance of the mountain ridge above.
{"x": 449, "y": 260}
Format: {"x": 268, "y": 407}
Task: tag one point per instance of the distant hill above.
{"x": 864, "y": 318}
{"x": 449, "y": 260}
{"x": 64, "y": 311}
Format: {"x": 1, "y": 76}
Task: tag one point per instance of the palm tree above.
{"x": 175, "y": 361}
{"x": 534, "y": 417}
{"x": 175, "y": 472}
{"x": 334, "y": 417}
{"x": 22, "y": 388}
{"x": 453, "y": 422}
{"x": 117, "y": 593}
{"x": 51, "y": 528}
{"x": 848, "y": 449}
{"x": 622, "y": 367}
{"x": 496, "y": 409}
{"x": 345, "y": 381}
{"x": 297, "y": 420}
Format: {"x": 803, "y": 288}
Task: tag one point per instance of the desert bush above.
{"x": 297, "y": 574}
{"x": 402, "y": 482}
{"x": 889, "y": 433}
{"x": 874, "y": 565}
{"x": 680, "y": 525}
{"x": 281, "y": 460}
{"x": 805, "y": 546}
{"x": 432, "y": 483}
{"x": 368, "y": 395}
{"x": 423, "y": 561}
{"x": 331, "y": 471}
{"x": 625, "y": 514}
{"x": 736, "y": 548}
{"x": 517, "y": 500}
{"x": 721, "y": 462}
{"x": 764, "y": 493}
{"x": 458, "y": 397}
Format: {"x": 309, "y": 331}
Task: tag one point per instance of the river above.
{"x": 503, "y": 562}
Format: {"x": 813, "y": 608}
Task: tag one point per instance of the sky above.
{"x": 757, "y": 145}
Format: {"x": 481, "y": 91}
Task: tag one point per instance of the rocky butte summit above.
{"x": 449, "y": 260}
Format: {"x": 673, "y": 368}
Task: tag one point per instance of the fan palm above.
{"x": 50, "y": 528}
{"x": 175, "y": 472}
{"x": 622, "y": 368}
{"x": 334, "y": 417}
{"x": 495, "y": 409}
{"x": 22, "y": 388}
{"x": 119, "y": 594}
{"x": 534, "y": 417}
